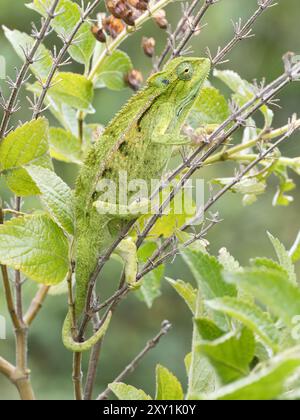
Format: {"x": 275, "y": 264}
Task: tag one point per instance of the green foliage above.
{"x": 111, "y": 73}
{"x": 167, "y": 385}
{"x": 56, "y": 196}
{"x": 68, "y": 16}
{"x": 128, "y": 392}
{"x": 258, "y": 356}
{"x": 27, "y": 145}
{"x": 37, "y": 247}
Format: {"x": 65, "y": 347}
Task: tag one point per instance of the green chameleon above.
{"x": 140, "y": 141}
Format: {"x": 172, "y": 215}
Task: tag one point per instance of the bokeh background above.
{"x": 243, "y": 230}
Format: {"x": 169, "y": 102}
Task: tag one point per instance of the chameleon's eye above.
{"x": 185, "y": 71}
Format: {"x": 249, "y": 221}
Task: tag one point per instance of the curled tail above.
{"x": 77, "y": 347}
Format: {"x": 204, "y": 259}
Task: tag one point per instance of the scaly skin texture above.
{"x": 139, "y": 140}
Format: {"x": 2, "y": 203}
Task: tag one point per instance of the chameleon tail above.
{"x": 77, "y": 347}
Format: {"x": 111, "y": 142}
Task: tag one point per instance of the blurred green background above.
{"x": 243, "y": 230}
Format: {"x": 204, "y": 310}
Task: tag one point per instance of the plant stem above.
{"x": 36, "y": 304}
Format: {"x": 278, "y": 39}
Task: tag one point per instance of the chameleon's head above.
{"x": 181, "y": 80}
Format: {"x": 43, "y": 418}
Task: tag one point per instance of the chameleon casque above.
{"x": 139, "y": 140}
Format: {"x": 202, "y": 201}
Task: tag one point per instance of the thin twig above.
{"x": 29, "y": 59}
{"x": 36, "y": 305}
{"x": 165, "y": 328}
{"x": 93, "y": 363}
{"x": 38, "y": 106}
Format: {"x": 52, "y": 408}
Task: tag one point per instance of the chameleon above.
{"x": 138, "y": 141}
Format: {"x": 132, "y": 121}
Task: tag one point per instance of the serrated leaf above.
{"x": 210, "y": 108}
{"x": 56, "y": 196}
{"x": 74, "y": 90}
{"x": 113, "y": 70}
{"x": 231, "y": 354}
{"x": 208, "y": 274}
{"x": 228, "y": 262}
{"x": 150, "y": 287}
{"x": 64, "y": 146}
{"x": 168, "y": 387}
{"x": 26, "y": 145}
{"x": 186, "y": 291}
{"x": 268, "y": 384}
{"x": 20, "y": 41}
{"x": 37, "y": 247}
{"x": 284, "y": 258}
{"x": 251, "y": 316}
{"x": 69, "y": 14}
{"x": 128, "y": 392}
{"x": 207, "y": 329}
{"x": 201, "y": 375}
{"x": 272, "y": 288}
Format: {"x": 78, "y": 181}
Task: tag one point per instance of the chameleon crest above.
{"x": 138, "y": 141}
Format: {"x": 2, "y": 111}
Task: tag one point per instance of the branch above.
{"x": 165, "y": 328}
{"x": 243, "y": 32}
{"x": 7, "y": 369}
{"x": 29, "y": 59}
{"x": 179, "y": 29}
{"x": 38, "y": 107}
{"x": 36, "y": 305}
{"x": 193, "y": 27}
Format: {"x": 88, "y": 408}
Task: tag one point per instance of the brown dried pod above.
{"x": 139, "y": 4}
{"x": 129, "y": 17}
{"x": 160, "y": 18}
{"x": 148, "y": 45}
{"x": 134, "y": 79}
{"x": 98, "y": 33}
{"x": 117, "y": 7}
{"x": 113, "y": 26}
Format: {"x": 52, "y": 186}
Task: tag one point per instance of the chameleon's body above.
{"x": 139, "y": 141}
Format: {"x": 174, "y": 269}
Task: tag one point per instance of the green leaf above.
{"x": 201, "y": 375}
{"x": 69, "y": 14}
{"x": 168, "y": 387}
{"x": 56, "y": 196}
{"x": 231, "y": 354}
{"x": 27, "y": 145}
{"x": 20, "y": 41}
{"x": 128, "y": 392}
{"x": 210, "y": 108}
{"x": 248, "y": 186}
{"x": 37, "y": 247}
{"x": 228, "y": 262}
{"x": 207, "y": 329}
{"x": 150, "y": 288}
{"x": 286, "y": 185}
{"x": 272, "y": 288}
{"x": 64, "y": 146}
{"x": 266, "y": 385}
{"x": 284, "y": 258}
{"x": 74, "y": 90}
{"x": 208, "y": 273}
{"x": 113, "y": 70}
{"x": 186, "y": 291}
{"x": 251, "y": 316}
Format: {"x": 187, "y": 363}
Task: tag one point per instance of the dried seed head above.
{"x": 139, "y": 4}
{"x": 161, "y": 19}
{"x": 129, "y": 17}
{"x": 117, "y": 7}
{"x": 113, "y": 26}
{"x": 134, "y": 79}
{"x": 148, "y": 45}
{"x": 98, "y": 33}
